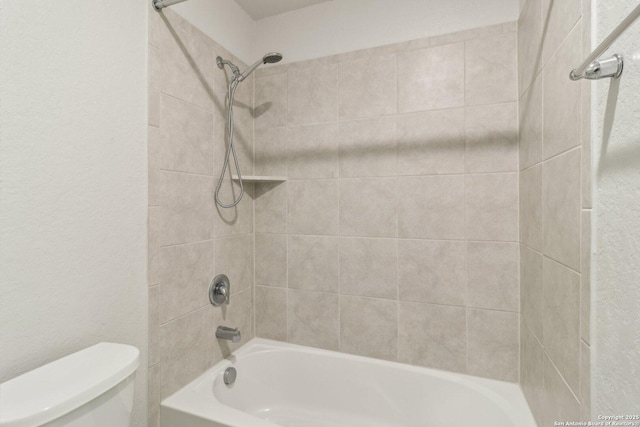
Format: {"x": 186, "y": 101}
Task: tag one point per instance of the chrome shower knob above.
{"x": 219, "y": 290}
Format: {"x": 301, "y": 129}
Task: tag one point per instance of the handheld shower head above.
{"x": 272, "y": 58}
{"x": 269, "y": 58}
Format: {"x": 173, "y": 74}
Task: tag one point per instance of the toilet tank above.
{"x": 90, "y": 388}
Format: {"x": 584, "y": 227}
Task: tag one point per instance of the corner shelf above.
{"x": 258, "y": 178}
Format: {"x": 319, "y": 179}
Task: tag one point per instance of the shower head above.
{"x": 272, "y": 58}
{"x": 269, "y": 58}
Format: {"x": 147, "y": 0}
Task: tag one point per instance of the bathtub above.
{"x": 286, "y": 385}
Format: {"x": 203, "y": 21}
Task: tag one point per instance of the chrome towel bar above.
{"x": 612, "y": 67}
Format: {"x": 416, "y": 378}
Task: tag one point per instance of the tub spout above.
{"x": 226, "y": 333}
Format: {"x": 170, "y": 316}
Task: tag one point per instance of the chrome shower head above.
{"x": 272, "y": 58}
{"x": 269, "y": 58}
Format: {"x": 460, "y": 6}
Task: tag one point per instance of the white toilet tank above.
{"x": 90, "y": 388}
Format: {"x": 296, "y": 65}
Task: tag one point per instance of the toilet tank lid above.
{"x": 53, "y": 390}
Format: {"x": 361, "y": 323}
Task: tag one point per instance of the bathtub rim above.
{"x": 508, "y": 396}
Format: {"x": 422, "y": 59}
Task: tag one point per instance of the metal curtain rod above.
{"x": 158, "y": 5}
{"x": 612, "y": 67}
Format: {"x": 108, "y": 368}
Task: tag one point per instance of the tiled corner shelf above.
{"x": 259, "y": 178}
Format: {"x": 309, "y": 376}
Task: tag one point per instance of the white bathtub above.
{"x": 281, "y": 384}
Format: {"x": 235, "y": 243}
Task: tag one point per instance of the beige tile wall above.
{"x": 555, "y": 207}
{"x": 396, "y": 235}
{"x": 190, "y": 239}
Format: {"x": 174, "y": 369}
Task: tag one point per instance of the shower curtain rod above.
{"x": 612, "y": 67}
{"x": 158, "y": 5}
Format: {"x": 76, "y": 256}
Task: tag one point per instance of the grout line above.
{"x": 399, "y": 238}
{"x": 187, "y": 173}
{"x": 175, "y": 245}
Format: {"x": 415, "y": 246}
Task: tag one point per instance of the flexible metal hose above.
{"x": 231, "y": 151}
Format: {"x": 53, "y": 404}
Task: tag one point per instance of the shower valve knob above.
{"x": 219, "y": 290}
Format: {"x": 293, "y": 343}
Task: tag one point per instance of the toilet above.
{"x": 90, "y": 388}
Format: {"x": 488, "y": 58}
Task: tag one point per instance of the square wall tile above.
{"x": 312, "y": 151}
{"x": 531, "y": 302}
{"x": 368, "y": 267}
{"x": 271, "y": 207}
{"x": 431, "y": 79}
{"x": 562, "y": 125}
{"x": 432, "y": 271}
{"x": 186, "y": 271}
{"x": 189, "y": 77}
{"x": 561, "y": 320}
{"x": 561, "y": 208}
{"x": 531, "y": 124}
{"x": 431, "y": 207}
{"x": 312, "y": 91}
{"x": 559, "y": 17}
{"x": 186, "y": 208}
{"x": 492, "y": 207}
{"x": 493, "y": 344}
{"x": 238, "y": 219}
{"x": 368, "y": 207}
{"x": 367, "y": 87}
{"x": 531, "y": 207}
{"x": 270, "y": 151}
{"x": 187, "y": 145}
{"x": 187, "y": 349}
{"x": 529, "y": 43}
{"x": 368, "y": 147}
{"x": 369, "y": 327}
{"x": 560, "y": 401}
{"x": 242, "y": 142}
{"x": 532, "y": 359}
{"x": 433, "y": 336}
{"x": 464, "y": 35}
{"x": 493, "y": 281}
{"x": 314, "y": 263}
{"x": 234, "y": 257}
{"x": 313, "y": 319}
{"x": 270, "y": 109}
{"x": 271, "y": 260}
{"x": 491, "y": 70}
{"x": 431, "y": 142}
{"x": 271, "y": 313}
{"x": 313, "y": 207}
{"x": 491, "y": 138}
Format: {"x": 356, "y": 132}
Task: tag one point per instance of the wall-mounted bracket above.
{"x": 602, "y": 69}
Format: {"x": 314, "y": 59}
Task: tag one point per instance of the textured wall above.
{"x": 190, "y": 239}
{"x": 396, "y": 233}
{"x": 616, "y": 227}
{"x": 73, "y": 186}
{"x": 555, "y": 210}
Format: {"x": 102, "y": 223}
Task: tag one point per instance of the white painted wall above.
{"x": 616, "y": 261}
{"x": 225, "y": 22}
{"x": 345, "y": 25}
{"x": 73, "y": 191}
